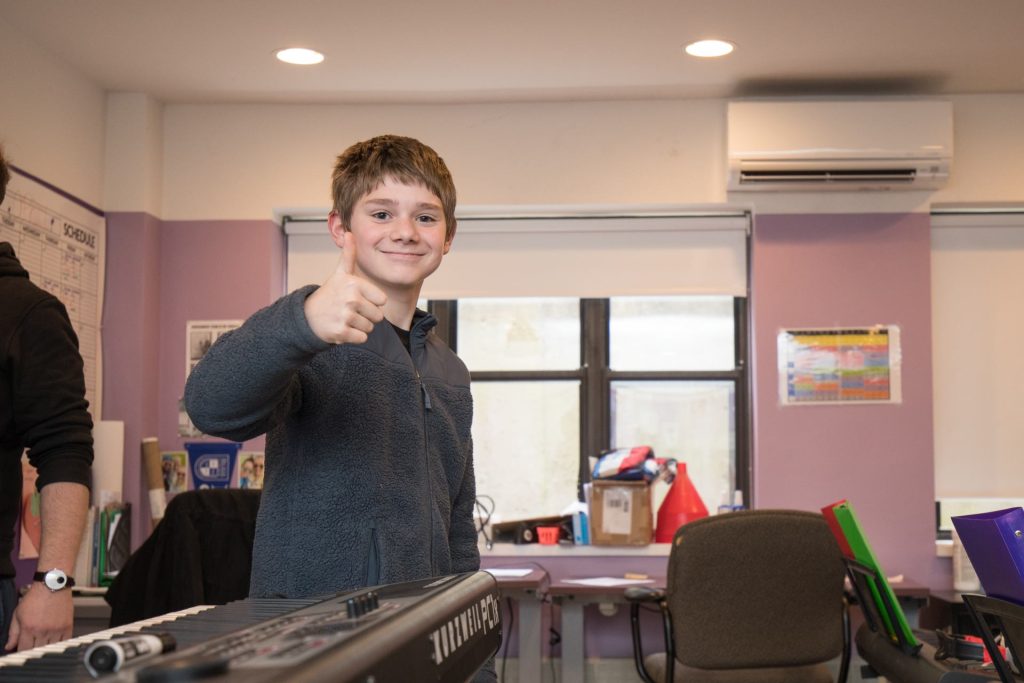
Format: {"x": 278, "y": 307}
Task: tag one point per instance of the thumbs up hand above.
{"x": 345, "y": 307}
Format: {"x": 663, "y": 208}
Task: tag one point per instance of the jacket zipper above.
{"x": 426, "y": 459}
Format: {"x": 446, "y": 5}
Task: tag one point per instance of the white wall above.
{"x": 51, "y": 118}
{"x": 988, "y": 150}
{"x": 244, "y": 161}
{"x": 134, "y": 153}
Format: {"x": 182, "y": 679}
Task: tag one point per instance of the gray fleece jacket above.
{"x": 369, "y": 458}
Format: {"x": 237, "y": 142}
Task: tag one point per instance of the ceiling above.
{"x": 383, "y": 51}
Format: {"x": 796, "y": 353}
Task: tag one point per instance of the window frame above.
{"x": 596, "y": 377}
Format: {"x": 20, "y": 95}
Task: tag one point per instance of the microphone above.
{"x": 107, "y": 656}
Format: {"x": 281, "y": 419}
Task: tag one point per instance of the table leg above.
{"x": 572, "y": 642}
{"x": 530, "y": 640}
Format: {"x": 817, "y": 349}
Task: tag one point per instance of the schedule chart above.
{"x": 61, "y": 242}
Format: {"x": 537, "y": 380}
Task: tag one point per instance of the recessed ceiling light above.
{"x": 710, "y": 48}
{"x": 299, "y": 55}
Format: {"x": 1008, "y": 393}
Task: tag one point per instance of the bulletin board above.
{"x": 61, "y": 242}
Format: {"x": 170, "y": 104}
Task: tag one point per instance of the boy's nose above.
{"x": 404, "y": 229}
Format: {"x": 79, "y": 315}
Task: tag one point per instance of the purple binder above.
{"x": 994, "y": 542}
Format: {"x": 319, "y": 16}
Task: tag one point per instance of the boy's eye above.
{"x": 380, "y": 215}
{"x": 427, "y": 218}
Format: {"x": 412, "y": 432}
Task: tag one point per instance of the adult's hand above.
{"x": 42, "y": 617}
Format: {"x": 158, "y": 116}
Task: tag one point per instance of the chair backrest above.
{"x": 200, "y": 553}
{"x": 755, "y": 589}
{"x": 1008, "y": 618}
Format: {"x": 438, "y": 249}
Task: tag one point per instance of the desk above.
{"x": 567, "y": 561}
{"x": 528, "y": 592}
{"x": 912, "y": 596}
{"x": 92, "y": 614}
{"x": 573, "y": 597}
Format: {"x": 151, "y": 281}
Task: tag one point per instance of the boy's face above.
{"x": 399, "y": 231}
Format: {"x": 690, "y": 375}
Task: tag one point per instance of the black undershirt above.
{"x": 402, "y": 334}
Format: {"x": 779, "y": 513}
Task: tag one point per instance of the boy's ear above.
{"x": 448, "y": 242}
{"x": 337, "y": 229}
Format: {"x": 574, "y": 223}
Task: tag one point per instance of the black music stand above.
{"x": 867, "y": 583}
{"x": 1006, "y": 616}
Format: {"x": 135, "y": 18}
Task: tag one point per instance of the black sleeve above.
{"x": 51, "y": 414}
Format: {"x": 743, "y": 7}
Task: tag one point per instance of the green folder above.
{"x": 862, "y": 553}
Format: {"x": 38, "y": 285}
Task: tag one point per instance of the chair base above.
{"x": 814, "y": 673}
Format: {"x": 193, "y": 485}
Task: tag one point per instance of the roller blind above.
{"x": 978, "y": 368}
{"x": 580, "y": 253}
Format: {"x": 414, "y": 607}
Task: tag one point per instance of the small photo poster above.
{"x": 840, "y": 365}
{"x": 175, "y": 470}
{"x": 250, "y": 470}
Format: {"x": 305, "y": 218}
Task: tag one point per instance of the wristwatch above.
{"x": 55, "y": 579}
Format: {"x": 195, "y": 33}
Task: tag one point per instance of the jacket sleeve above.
{"x": 249, "y": 377}
{"x": 51, "y": 415}
{"x": 463, "y": 535}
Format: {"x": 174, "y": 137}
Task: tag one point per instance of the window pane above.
{"x": 671, "y": 333}
{"x": 526, "y": 446}
{"x": 693, "y": 422}
{"x": 519, "y": 334}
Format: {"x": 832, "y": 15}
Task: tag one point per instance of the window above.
{"x": 977, "y": 367}
{"x": 628, "y": 327}
{"x": 557, "y": 380}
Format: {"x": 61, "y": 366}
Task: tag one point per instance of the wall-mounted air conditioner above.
{"x": 840, "y": 145}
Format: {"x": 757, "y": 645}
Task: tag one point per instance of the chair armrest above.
{"x": 644, "y": 594}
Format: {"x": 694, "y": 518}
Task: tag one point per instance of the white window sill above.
{"x": 570, "y": 550}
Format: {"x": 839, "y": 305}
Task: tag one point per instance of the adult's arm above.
{"x": 50, "y": 412}
{"x": 43, "y": 616}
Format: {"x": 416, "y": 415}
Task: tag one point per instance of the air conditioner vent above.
{"x": 805, "y": 145}
{"x": 838, "y": 176}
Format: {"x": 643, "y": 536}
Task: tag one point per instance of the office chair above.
{"x": 752, "y": 597}
{"x": 199, "y": 554}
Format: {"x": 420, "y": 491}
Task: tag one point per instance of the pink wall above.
{"x": 160, "y": 275}
{"x": 131, "y": 345}
{"x": 849, "y": 270}
{"x": 210, "y": 270}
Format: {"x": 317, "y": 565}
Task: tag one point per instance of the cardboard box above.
{"x": 620, "y": 513}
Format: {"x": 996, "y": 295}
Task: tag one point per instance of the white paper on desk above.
{"x": 607, "y": 581}
{"x": 507, "y": 573}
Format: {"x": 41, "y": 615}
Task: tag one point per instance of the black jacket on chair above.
{"x": 199, "y": 554}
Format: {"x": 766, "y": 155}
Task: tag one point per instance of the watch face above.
{"x": 55, "y": 579}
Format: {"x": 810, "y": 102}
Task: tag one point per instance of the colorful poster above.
{"x": 839, "y": 365}
{"x": 31, "y": 522}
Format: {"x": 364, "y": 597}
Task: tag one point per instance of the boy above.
{"x": 369, "y": 465}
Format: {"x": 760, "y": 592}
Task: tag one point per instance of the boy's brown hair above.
{"x": 365, "y": 165}
{"x": 5, "y": 175}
